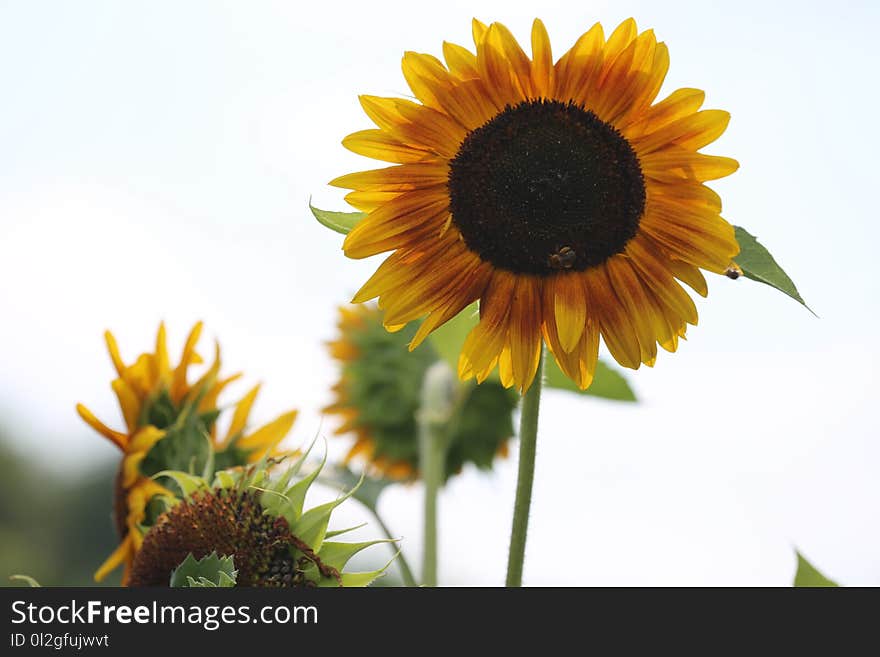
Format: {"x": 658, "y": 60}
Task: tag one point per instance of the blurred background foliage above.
{"x": 53, "y": 527}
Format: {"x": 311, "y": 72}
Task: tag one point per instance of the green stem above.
{"x": 432, "y": 475}
{"x": 528, "y": 435}
{"x": 438, "y": 396}
{"x": 401, "y": 561}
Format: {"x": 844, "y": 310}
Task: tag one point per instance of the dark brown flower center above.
{"x": 226, "y": 522}
{"x": 546, "y": 186}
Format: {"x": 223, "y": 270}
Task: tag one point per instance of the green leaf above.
{"x": 607, "y": 382}
{"x": 341, "y": 222}
{"x": 209, "y": 571}
{"x": 757, "y": 264}
{"x": 27, "y": 579}
{"x": 807, "y": 575}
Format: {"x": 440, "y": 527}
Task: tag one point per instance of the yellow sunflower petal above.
{"x": 382, "y": 146}
{"x": 579, "y": 68}
{"x": 403, "y": 177}
{"x": 123, "y": 553}
{"x": 542, "y": 71}
{"x": 129, "y": 402}
{"x": 525, "y": 330}
{"x": 179, "y": 386}
{"x": 115, "y": 437}
{"x": 271, "y": 434}
{"x": 163, "y": 365}
{"x": 241, "y": 414}
{"x": 113, "y": 349}
{"x": 460, "y": 61}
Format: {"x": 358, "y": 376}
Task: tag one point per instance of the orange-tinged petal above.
{"x": 524, "y": 325}
{"x": 113, "y": 350}
{"x": 380, "y": 145}
{"x": 162, "y": 363}
{"x": 115, "y": 437}
{"x": 478, "y": 30}
{"x": 679, "y": 104}
{"x": 617, "y": 331}
{"x": 123, "y": 553}
{"x": 691, "y": 132}
{"x": 569, "y": 308}
{"x": 269, "y": 435}
{"x": 179, "y": 386}
{"x": 674, "y": 164}
{"x": 689, "y": 275}
{"x": 579, "y": 68}
{"x": 144, "y": 439}
{"x": 400, "y": 178}
{"x": 461, "y": 61}
{"x": 542, "y": 70}
{"x": 241, "y": 414}
{"x": 129, "y": 402}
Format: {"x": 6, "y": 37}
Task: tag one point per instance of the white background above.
{"x": 156, "y": 159}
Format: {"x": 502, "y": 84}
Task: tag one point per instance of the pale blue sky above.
{"x": 156, "y": 159}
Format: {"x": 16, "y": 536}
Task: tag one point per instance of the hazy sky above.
{"x": 156, "y": 159}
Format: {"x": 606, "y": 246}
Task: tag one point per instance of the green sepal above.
{"x": 289, "y": 504}
{"x": 311, "y": 527}
{"x": 357, "y": 579}
{"x": 340, "y": 532}
{"x": 187, "y": 483}
{"x": 607, "y": 383}
{"x": 352, "y": 579}
{"x": 757, "y": 264}
{"x": 337, "y": 555}
{"x": 341, "y": 222}
{"x": 27, "y": 579}
{"x": 223, "y": 479}
{"x": 211, "y": 570}
{"x": 808, "y": 576}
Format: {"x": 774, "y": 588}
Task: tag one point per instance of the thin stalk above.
{"x": 401, "y": 561}
{"x": 439, "y": 390}
{"x": 432, "y": 474}
{"x": 528, "y": 435}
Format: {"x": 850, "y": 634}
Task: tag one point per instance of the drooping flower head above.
{"x": 557, "y": 193}
{"x": 171, "y": 424}
{"x": 254, "y": 525}
{"x": 378, "y": 399}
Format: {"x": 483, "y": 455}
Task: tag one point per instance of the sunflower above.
{"x": 378, "y": 397}
{"x": 557, "y": 194}
{"x": 252, "y": 527}
{"x": 167, "y": 421}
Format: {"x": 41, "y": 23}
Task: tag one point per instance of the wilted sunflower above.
{"x": 250, "y": 527}
{"x": 378, "y": 397}
{"x": 171, "y": 425}
{"x": 558, "y": 194}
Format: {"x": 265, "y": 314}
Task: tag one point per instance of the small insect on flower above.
{"x": 563, "y": 258}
